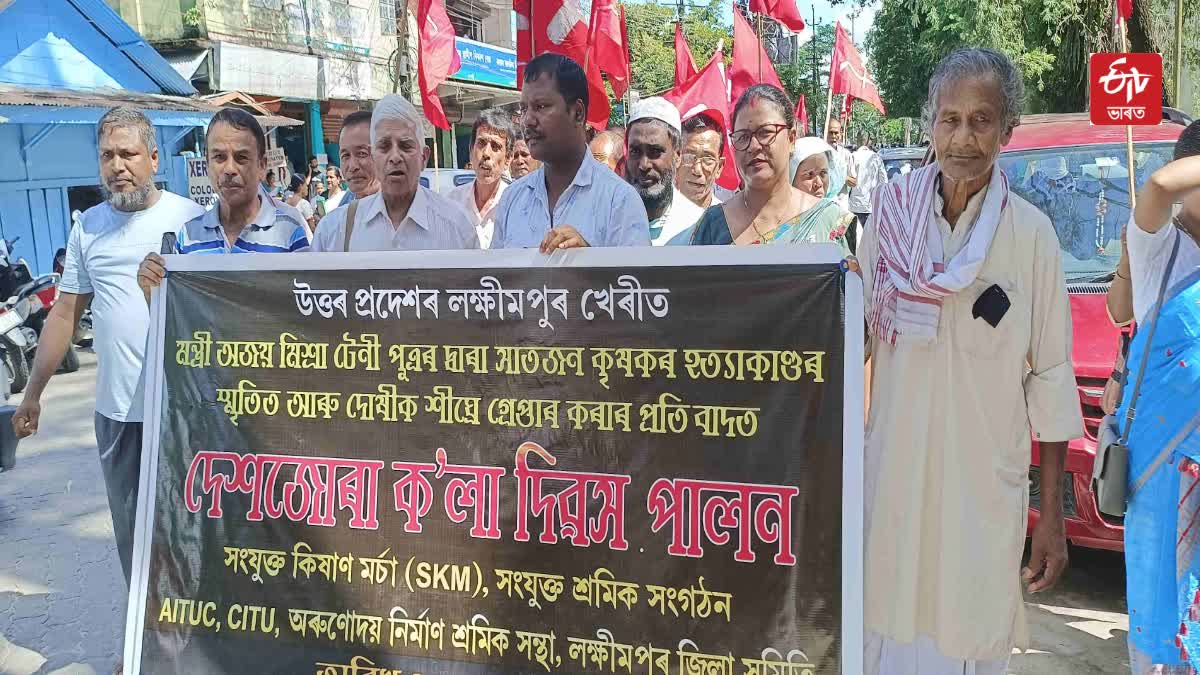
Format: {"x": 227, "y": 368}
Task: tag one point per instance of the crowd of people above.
{"x": 965, "y": 298}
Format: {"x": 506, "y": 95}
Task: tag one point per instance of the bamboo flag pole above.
{"x": 760, "y": 47}
{"x": 1129, "y": 156}
{"x": 829, "y": 100}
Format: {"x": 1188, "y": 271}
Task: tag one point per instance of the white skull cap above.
{"x": 657, "y": 108}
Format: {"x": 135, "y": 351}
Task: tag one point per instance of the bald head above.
{"x": 609, "y": 149}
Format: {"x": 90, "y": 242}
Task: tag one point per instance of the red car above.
{"x": 1077, "y": 174}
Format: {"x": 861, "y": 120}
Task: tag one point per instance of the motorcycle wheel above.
{"x": 70, "y": 362}
{"x": 18, "y": 369}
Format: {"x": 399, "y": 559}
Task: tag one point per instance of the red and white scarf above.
{"x": 906, "y": 302}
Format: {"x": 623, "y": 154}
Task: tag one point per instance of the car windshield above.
{"x": 895, "y": 167}
{"x": 1085, "y": 192}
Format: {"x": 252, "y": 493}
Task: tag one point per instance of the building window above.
{"x": 465, "y": 25}
{"x": 387, "y": 17}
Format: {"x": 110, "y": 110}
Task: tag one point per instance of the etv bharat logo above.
{"x": 1126, "y": 89}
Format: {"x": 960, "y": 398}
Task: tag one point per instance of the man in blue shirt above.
{"x": 246, "y": 218}
{"x": 572, "y": 200}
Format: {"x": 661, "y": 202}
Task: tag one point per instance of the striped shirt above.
{"x": 278, "y": 228}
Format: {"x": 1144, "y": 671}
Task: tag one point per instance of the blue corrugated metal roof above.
{"x": 130, "y": 42}
{"x": 45, "y": 114}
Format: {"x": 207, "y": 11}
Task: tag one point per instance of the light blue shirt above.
{"x": 278, "y": 228}
{"x": 599, "y": 204}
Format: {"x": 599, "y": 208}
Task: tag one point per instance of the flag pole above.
{"x": 1129, "y": 156}
{"x": 760, "y": 47}
{"x": 828, "y": 101}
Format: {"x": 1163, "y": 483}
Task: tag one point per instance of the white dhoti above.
{"x": 884, "y": 656}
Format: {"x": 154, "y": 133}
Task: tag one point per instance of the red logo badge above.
{"x": 1126, "y": 89}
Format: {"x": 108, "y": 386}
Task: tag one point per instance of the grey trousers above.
{"x": 120, "y": 446}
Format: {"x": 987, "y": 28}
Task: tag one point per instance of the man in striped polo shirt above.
{"x": 246, "y": 219}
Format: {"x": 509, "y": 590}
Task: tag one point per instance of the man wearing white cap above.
{"x": 403, "y": 215}
{"x": 651, "y": 160}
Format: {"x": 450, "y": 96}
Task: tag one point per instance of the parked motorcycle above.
{"x": 23, "y": 314}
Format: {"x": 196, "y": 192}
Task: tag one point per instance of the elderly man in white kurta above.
{"x": 966, "y": 305}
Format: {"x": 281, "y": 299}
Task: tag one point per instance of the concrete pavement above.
{"x": 62, "y": 597}
{"x": 62, "y": 607}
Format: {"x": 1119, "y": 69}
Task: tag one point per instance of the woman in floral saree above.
{"x": 768, "y": 210}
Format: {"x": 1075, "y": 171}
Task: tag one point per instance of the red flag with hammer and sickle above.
{"x": 848, "y": 75}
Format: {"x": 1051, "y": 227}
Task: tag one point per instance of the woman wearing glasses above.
{"x": 768, "y": 210}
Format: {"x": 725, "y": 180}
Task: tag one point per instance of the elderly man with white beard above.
{"x": 651, "y": 159}
{"x": 103, "y": 254}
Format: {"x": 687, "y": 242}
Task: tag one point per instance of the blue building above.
{"x": 62, "y": 64}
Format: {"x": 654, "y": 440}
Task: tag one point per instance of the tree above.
{"x": 651, "y": 29}
{"x": 1049, "y": 40}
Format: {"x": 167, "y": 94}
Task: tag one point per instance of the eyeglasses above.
{"x": 706, "y": 162}
{"x": 765, "y": 135}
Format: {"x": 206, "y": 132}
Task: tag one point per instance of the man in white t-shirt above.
{"x": 103, "y": 254}
{"x": 1153, "y": 228}
{"x": 871, "y": 174}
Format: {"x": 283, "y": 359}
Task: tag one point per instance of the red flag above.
{"x": 784, "y": 11}
{"x": 848, "y": 75}
{"x": 1124, "y": 10}
{"x": 606, "y": 44}
{"x": 437, "y": 59}
{"x": 706, "y": 94}
{"x": 559, "y": 27}
{"x": 685, "y": 67}
{"x": 846, "y": 102}
{"x": 521, "y": 10}
{"x": 751, "y": 65}
{"x": 802, "y": 114}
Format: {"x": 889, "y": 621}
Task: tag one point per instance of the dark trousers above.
{"x": 121, "y": 461}
{"x": 852, "y": 233}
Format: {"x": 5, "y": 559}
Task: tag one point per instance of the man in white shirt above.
{"x": 337, "y": 196}
{"x": 103, "y": 254}
{"x": 492, "y": 139}
{"x": 703, "y": 159}
{"x": 403, "y": 215}
{"x": 843, "y": 163}
{"x": 572, "y": 200}
{"x": 871, "y": 174}
{"x": 652, "y": 159}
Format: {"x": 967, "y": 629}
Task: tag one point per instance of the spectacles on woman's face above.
{"x": 706, "y": 162}
{"x": 765, "y": 135}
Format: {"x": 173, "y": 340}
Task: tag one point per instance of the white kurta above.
{"x": 947, "y": 469}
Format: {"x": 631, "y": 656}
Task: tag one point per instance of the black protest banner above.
{"x": 634, "y": 463}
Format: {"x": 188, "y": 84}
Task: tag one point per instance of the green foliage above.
{"x": 1049, "y": 40}
{"x": 651, "y": 29}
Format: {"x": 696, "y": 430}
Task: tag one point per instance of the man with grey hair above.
{"x": 651, "y": 161}
{"x": 492, "y": 142}
{"x": 103, "y": 254}
{"x": 403, "y": 215}
{"x": 967, "y": 304}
